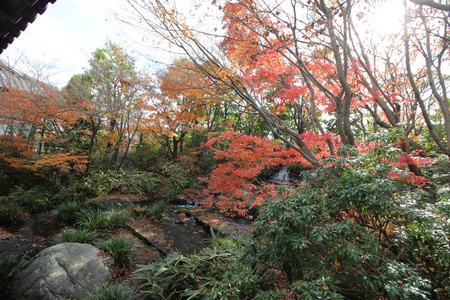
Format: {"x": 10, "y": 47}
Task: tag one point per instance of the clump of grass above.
{"x": 96, "y": 218}
{"x": 158, "y": 209}
{"x": 68, "y": 210}
{"x": 92, "y": 218}
{"x": 9, "y": 265}
{"x": 119, "y": 248}
{"x": 113, "y": 292}
{"x": 75, "y": 236}
{"x": 116, "y": 218}
{"x": 10, "y": 213}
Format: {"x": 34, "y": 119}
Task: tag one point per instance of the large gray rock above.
{"x": 66, "y": 270}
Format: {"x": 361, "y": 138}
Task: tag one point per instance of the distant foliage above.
{"x": 146, "y": 156}
{"x": 141, "y": 183}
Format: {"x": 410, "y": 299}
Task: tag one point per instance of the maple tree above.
{"x": 37, "y": 124}
{"x": 241, "y": 159}
{"x": 115, "y": 86}
{"x": 309, "y": 73}
{"x": 274, "y": 60}
{"x": 113, "y": 96}
{"x": 233, "y": 187}
{"x": 184, "y": 104}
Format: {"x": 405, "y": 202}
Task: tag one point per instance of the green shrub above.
{"x": 148, "y": 183}
{"x": 6, "y": 184}
{"x": 68, "y": 210}
{"x": 120, "y": 249}
{"x": 146, "y": 155}
{"x": 113, "y": 292}
{"x": 78, "y": 191}
{"x": 9, "y": 265}
{"x": 178, "y": 175}
{"x": 141, "y": 183}
{"x": 33, "y": 200}
{"x": 103, "y": 182}
{"x": 343, "y": 221}
{"x": 426, "y": 239}
{"x": 10, "y": 213}
{"x": 75, "y": 236}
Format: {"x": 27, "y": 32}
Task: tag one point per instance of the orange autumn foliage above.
{"x": 45, "y": 115}
{"x": 63, "y": 162}
{"x": 233, "y": 186}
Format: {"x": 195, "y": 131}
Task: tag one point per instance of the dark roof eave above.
{"x": 11, "y": 31}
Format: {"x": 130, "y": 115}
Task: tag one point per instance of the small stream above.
{"x": 186, "y": 227}
{"x": 177, "y": 230}
{"x": 282, "y": 177}
{"x": 182, "y": 229}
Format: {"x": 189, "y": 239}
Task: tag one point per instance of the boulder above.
{"x": 67, "y": 270}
